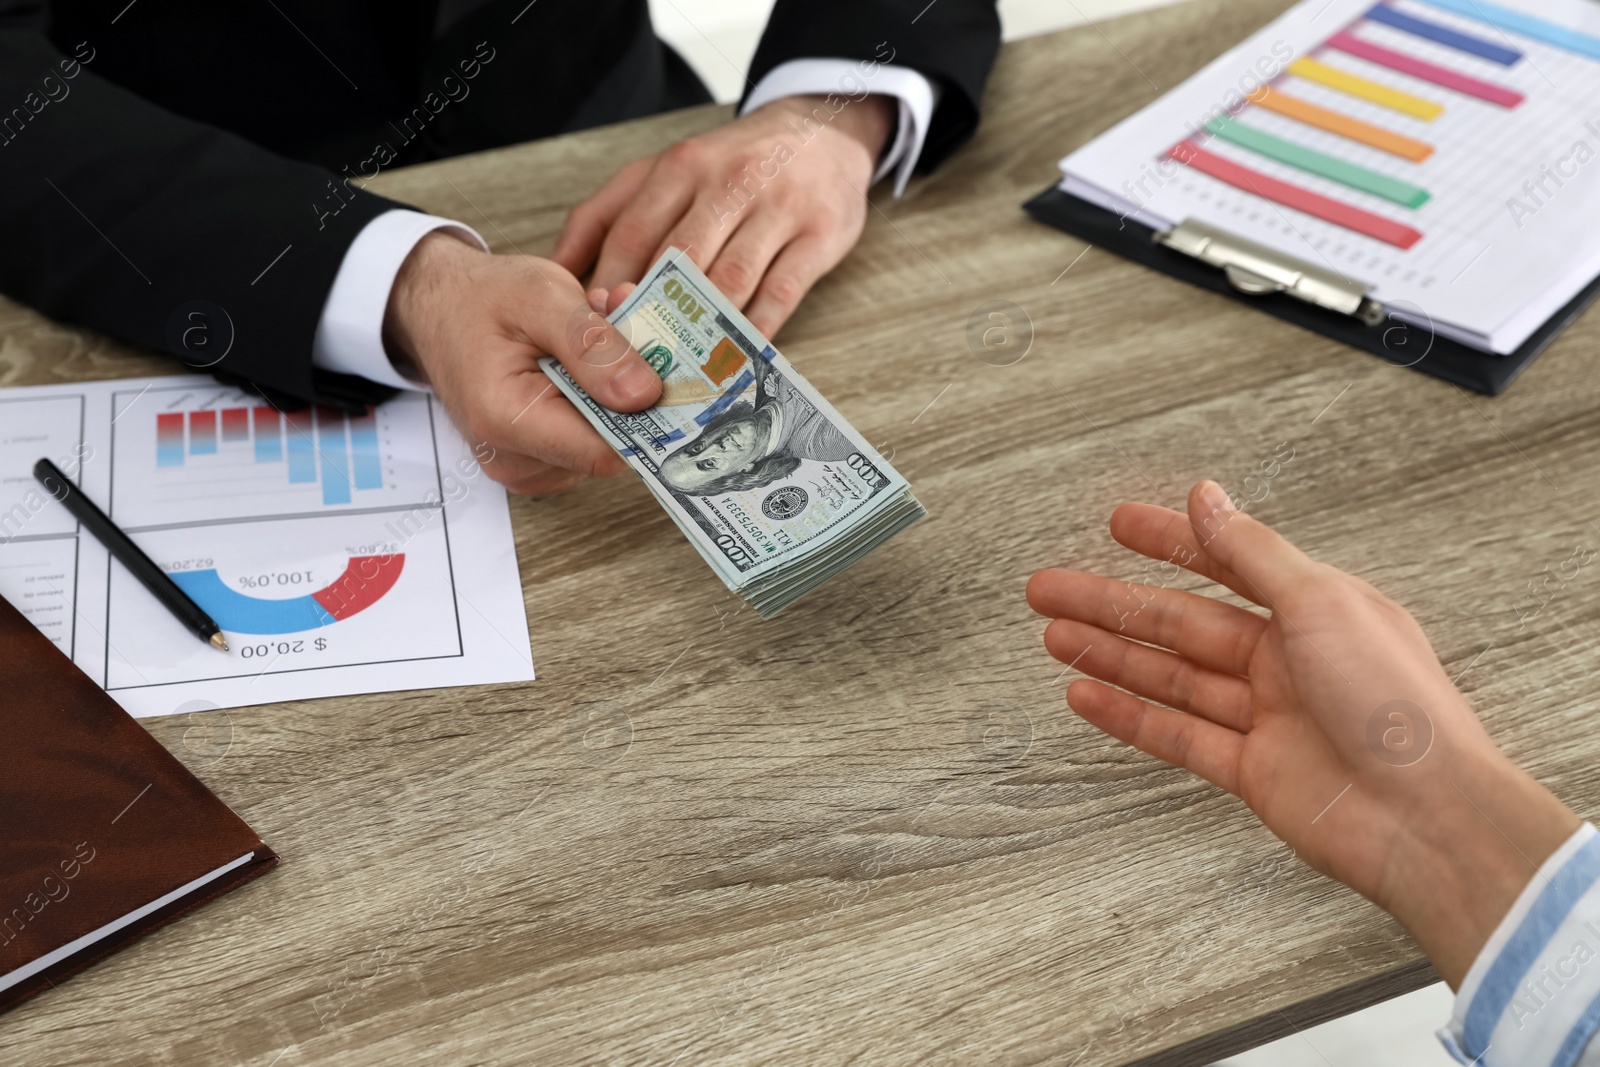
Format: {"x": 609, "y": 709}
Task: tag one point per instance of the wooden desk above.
{"x": 870, "y": 831}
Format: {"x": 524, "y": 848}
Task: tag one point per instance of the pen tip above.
{"x": 219, "y": 641}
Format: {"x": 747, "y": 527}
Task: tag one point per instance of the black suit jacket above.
{"x": 170, "y": 172}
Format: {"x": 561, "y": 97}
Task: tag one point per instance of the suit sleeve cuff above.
{"x": 848, "y": 78}
{"x": 349, "y": 337}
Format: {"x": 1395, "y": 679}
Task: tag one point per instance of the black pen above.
{"x": 129, "y": 554}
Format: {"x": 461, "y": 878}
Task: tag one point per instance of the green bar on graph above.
{"x": 1368, "y": 181}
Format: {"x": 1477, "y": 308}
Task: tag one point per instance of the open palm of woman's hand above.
{"x": 1332, "y": 717}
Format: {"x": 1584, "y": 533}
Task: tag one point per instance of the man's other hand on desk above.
{"x": 765, "y": 205}
{"x": 474, "y": 326}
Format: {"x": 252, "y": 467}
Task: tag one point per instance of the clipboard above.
{"x": 1302, "y": 293}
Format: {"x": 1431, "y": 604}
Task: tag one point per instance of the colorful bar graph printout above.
{"x": 1432, "y": 31}
{"x": 1455, "y": 81}
{"x": 1309, "y": 114}
{"x": 169, "y": 440}
{"x": 1318, "y": 163}
{"x": 1326, "y": 208}
{"x": 1542, "y": 30}
{"x": 339, "y": 453}
{"x": 202, "y": 433}
{"x": 1363, "y": 89}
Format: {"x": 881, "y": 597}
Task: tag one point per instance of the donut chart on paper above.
{"x": 364, "y": 582}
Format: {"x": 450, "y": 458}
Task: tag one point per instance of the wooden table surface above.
{"x": 870, "y": 831}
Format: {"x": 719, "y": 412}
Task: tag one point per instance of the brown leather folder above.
{"x": 104, "y": 835}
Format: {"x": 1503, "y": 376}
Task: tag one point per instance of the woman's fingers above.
{"x": 1218, "y": 542}
{"x": 1152, "y": 673}
{"x": 1219, "y": 636}
{"x": 1187, "y": 741}
{"x": 1168, "y": 536}
{"x": 1244, "y": 546}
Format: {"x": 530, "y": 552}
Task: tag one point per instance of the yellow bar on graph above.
{"x": 1303, "y": 111}
{"x": 1371, "y": 91}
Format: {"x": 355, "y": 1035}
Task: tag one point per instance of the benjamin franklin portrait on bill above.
{"x": 753, "y": 445}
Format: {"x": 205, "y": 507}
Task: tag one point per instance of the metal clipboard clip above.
{"x": 1257, "y": 270}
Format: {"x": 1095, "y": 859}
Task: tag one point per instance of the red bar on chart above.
{"x": 202, "y": 433}
{"x": 1466, "y": 84}
{"x": 269, "y": 439}
{"x": 1329, "y": 210}
{"x": 235, "y": 424}
{"x": 169, "y": 440}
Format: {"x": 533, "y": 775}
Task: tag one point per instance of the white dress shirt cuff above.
{"x": 349, "y": 337}
{"x": 853, "y": 80}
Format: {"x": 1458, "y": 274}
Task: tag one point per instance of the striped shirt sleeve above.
{"x": 1532, "y": 997}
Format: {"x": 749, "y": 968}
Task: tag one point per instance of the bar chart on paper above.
{"x": 1434, "y": 149}
{"x": 338, "y": 552}
{"x": 211, "y": 452}
{"x": 331, "y": 449}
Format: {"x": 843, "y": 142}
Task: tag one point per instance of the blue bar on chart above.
{"x": 302, "y": 451}
{"x": 368, "y": 468}
{"x": 335, "y": 456}
{"x": 169, "y": 439}
{"x": 1432, "y": 31}
{"x": 269, "y": 439}
{"x": 202, "y": 433}
{"x": 1504, "y": 18}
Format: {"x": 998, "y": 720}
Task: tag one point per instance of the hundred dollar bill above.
{"x": 774, "y": 488}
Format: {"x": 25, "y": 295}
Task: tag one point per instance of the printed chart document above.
{"x": 339, "y": 553}
{"x": 1444, "y": 152}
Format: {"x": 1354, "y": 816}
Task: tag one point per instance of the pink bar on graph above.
{"x": 1329, "y": 210}
{"x": 1465, "y": 84}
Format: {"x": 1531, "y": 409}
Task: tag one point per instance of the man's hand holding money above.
{"x": 764, "y": 205}
{"x": 474, "y": 325}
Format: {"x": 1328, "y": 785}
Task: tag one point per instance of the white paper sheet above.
{"x": 1512, "y": 227}
{"x": 339, "y": 555}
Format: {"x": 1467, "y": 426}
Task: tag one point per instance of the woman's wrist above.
{"x": 1472, "y": 845}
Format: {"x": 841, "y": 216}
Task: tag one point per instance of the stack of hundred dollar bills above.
{"x": 777, "y": 491}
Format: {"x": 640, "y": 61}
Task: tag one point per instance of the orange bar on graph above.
{"x": 1292, "y": 107}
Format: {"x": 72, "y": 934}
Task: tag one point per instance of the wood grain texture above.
{"x": 870, "y": 831}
